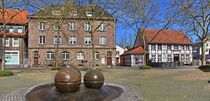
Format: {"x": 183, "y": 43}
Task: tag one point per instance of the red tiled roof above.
{"x": 166, "y": 37}
{"x": 19, "y": 18}
{"x": 13, "y": 34}
{"x": 135, "y": 50}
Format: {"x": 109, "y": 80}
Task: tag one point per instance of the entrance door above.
{"x": 176, "y": 57}
{"x": 109, "y": 59}
{"x": 36, "y": 61}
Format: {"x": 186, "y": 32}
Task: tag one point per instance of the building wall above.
{"x": 49, "y": 34}
{"x": 119, "y": 51}
{"x": 132, "y": 60}
{"x": 164, "y": 53}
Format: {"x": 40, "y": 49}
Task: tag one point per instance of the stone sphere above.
{"x": 67, "y": 80}
{"x": 94, "y": 79}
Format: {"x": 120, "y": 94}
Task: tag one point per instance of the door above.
{"x": 109, "y": 58}
{"x": 176, "y": 57}
{"x": 36, "y": 61}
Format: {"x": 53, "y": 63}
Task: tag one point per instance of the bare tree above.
{"x": 194, "y": 18}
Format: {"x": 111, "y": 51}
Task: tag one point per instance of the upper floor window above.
{"x": 41, "y": 39}
{"x": 87, "y": 40}
{"x": 159, "y": 47}
{"x": 153, "y": 47}
{"x": 7, "y": 42}
{"x": 102, "y": 27}
{"x": 80, "y": 56}
{"x": 97, "y": 55}
{"x": 87, "y": 27}
{"x": 102, "y": 40}
{"x": 11, "y": 29}
{"x": 175, "y": 47}
{"x": 72, "y": 26}
{"x": 168, "y": 47}
{"x": 187, "y": 48}
{"x": 57, "y": 26}
{"x": 57, "y": 40}
{"x": 89, "y": 13}
{"x": 50, "y": 56}
{"x": 72, "y": 40}
{"x": 42, "y": 26}
{"x": 117, "y": 53}
{"x": 65, "y": 55}
{"x": 20, "y": 30}
{"x": 15, "y": 42}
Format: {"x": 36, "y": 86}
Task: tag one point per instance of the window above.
{"x": 187, "y": 56}
{"x": 7, "y": 42}
{"x": 41, "y": 39}
{"x": 89, "y": 13}
{"x": 15, "y": 42}
{"x": 57, "y": 40}
{"x": 50, "y": 55}
{"x": 11, "y": 29}
{"x": 117, "y": 53}
{"x": 20, "y": 30}
{"x": 72, "y": 26}
{"x": 73, "y": 13}
{"x": 159, "y": 58}
{"x": 36, "y": 53}
{"x": 80, "y": 56}
{"x": 153, "y": 47}
{"x": 87, "y": 27}
{"x": 187, "y": 48}
{"x": 87, "y": 40}
{"x": 159, "y": 47}
{"x": 72, "y": 40}
{"x": 102, "y": 40}
{"x": 168, "y": 47}
{"x": 169, "y": 58}
{"x": 153, "y": 58}
{"x": 97, "y": 55}
{"x": 175, "y": 47}
{"x": 102, "y": 27}
{"x": 42, "y": 26}
{"x": 57, "y": 26}
{"x": 65, "y": 55}
{"x": 182, "y": 57}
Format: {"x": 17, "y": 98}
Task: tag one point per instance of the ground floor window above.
{"x": 11, "y": 58}
{"x": 153, "y": 58}
{"x": 50, "y": 56}
{"x": 169, "y": 58}
{"x": 159, "y": 58}
{"x": 65, "y": 55}
{"x": 80, "y": 56}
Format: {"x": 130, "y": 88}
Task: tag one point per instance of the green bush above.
{"x": 6, "y": 73}
{"x": 99, "y": 69}
{"x": 205, "y": 68}
{"x": 145, "y": 67}
{"x": 54, "y": 68}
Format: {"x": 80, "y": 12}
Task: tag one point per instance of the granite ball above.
{"x": 68, "y": 80}
{"x": 94, "y": 79}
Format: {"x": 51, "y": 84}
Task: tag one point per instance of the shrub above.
{"x": 6, "y": 73}
{"x": 145, "y": 67}
{"x": 205, "y": 68}
{"x": 99, "y": 69}
{"x": 54, "y": 68}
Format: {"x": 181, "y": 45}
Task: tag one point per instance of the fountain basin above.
{"x": 48, "y": 92}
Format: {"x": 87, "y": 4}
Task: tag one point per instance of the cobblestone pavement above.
{"x": 129, "y": 94}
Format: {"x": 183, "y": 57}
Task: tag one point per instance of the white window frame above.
{"x": 42, "y": 40}
{"x": 65, "y": 54}
{"x": 97, "y": 53}
{"x": 87, "y": 40}
{"x": 72, "y": 26}
{"x": 73, "y": 40}
{"x": 58, "y": 38}
{"x": 102, "y": 27}
{"x": 102, "y": 40}
{"x": 7, "y": 42}
{"x": 14, "y": 42}
{"x": 51, "y": 56}
{"x": 17, "y": 54}
{"x": 80, "y": 56}
{"x": 42, "y": 25}
{"x": 89, "y": 13}
{"x": 87, "y": 27}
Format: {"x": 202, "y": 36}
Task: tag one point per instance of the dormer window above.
{"x": 73, "y": 13}
{"x": 89, "y": 13}
{"x": 56, "y": 13}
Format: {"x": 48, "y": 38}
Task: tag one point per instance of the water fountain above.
{"x": 67, "y": 86}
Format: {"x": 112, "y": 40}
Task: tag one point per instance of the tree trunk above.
{"x": 203, "y": 58}
{"x": 4, "y": 37}
{"x": 93, "y": 50}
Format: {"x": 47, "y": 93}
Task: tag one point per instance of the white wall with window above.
{"x": 87, "y": 27}
{"x": 102, "y": 40}
{"x": 11, "y": 57}
{"x": 50, "y": 56}
{"x": 87, "y": 40}
{"x": 80, "y": 56}
{"x": 42, "y": 26}
{"x": 57, "y": 40}
{"x": 72, "y": 40}
{"x": 15, "y": 42}
{"x": 72, "y": 26}
{"x": 65, "y": 55}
